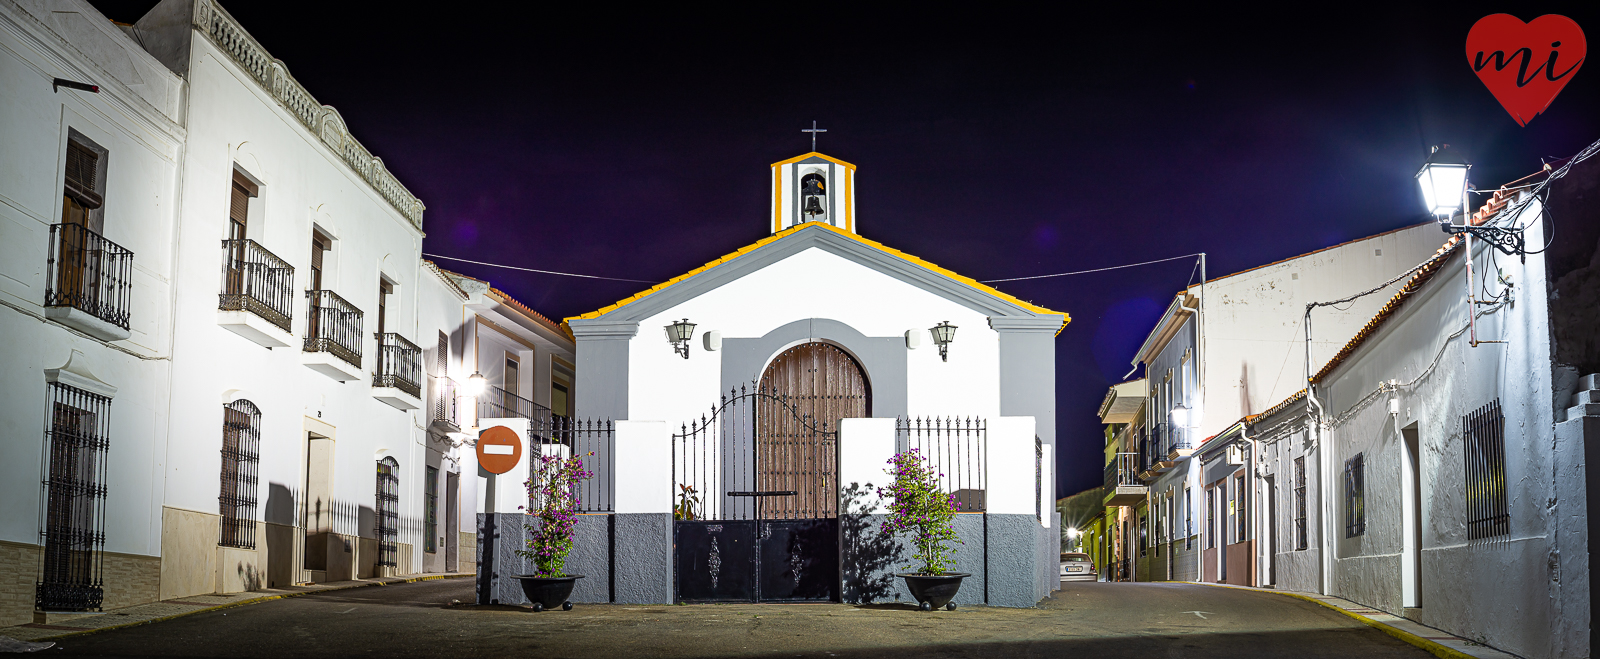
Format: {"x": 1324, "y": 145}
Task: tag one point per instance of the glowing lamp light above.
{"x": 476, "y": 385}
{"x": 679, "y": 334}
{"x": 1444, "y": 181}
{"x": 943, "y": 334}
{"x": 1180, "y": 417}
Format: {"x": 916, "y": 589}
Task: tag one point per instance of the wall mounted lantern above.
{"x": 943, "y": 334}
{"x": 476, "y": 385}
{"x": 679, "y": 334}
{"x": 1443, "y": 178}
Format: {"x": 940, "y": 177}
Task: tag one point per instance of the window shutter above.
{"x": 238, "y": 208}
{"x": 83, "y": 165}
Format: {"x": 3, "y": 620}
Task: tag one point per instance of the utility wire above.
{"x": 1084, "y": 272}
{"x": 545, "y": 272}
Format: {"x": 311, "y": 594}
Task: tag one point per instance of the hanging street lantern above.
{"x": 1443, "y": 178}
{"x": 943, "y": 334}
{"x": 679, "y": 334}
{"x": 476, "y": 385}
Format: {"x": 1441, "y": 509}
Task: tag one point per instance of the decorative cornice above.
{"x": 591, "y": 328}
{"x": 322, "y": 120}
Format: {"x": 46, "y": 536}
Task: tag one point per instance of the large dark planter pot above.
{"x": 933, "y": 591}
{"x": 548, "y": 592}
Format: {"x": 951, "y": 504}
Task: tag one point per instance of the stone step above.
{"x": 1589, "y": 382}
{"x": 1586, "y": 397}
{"x": 1590, "y": 409}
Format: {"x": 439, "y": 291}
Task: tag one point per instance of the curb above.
{"x": 248, "y": 602}
{"x": 1433, "y": 647}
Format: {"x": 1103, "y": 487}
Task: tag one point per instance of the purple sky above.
{"x": 611, "y": 140}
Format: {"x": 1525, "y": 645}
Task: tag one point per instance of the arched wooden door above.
{"x": 813, "y": 385}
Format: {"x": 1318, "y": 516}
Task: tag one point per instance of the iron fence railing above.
{"x": 1124, "y": 470}
{"x": 399, "y": 364}
{"x": 257, "y": 281}
{"x": 334, "y": 326}
{"x": 443, "y": 407}
{"x": 958, "y": 450}
{"x": 594, "y": 441}
{"x": 88, "y": 273}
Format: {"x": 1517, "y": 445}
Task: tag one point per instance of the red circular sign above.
{"x": 499, "y": 449}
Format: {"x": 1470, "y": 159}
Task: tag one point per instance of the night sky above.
{"x": 612, "y": 140}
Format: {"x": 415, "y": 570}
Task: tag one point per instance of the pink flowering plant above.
{"x": 553, "y": 488}
{"x": 917, "y": 508}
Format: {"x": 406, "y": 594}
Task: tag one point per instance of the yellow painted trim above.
{"x": 781, "y": 234}
{"x": 814, "y": 154}
{"x": 849, "y": 202}
{"x": 777, "y": 199}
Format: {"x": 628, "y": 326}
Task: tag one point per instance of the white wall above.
{"x": 816, "y": 284}
{"x": 1435, "y": 398}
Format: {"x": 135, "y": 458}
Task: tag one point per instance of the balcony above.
{"x": 333, "y": 337}
{"x": 257, "y": 297}
{"x": 444, "y": 414}
{"x": 497, "y": 403}
{"x": 1177, "y": 445}
{"x": 399, "y": 372}
{"x": 1123, "y": 487}
{"x": 87, "y": 282}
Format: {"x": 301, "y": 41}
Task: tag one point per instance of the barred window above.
{"x": 388, "y": 513}
{"x": 241, "y": 445}
{"x": 1144, "y": 535}
{"x": 1211, "y": 518}
{"x": 1299, "y": 503}
{"x": 430, "y": 519}
{"x": 1355, "y": 508}
{"x": 1483, "y": 431}
{"x": 74, "y": 516}
{"x": 1188, "y": 520}
{"x": 1242, "y": 511}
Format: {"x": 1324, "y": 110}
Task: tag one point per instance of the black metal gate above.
{"x": 755, "y": 502}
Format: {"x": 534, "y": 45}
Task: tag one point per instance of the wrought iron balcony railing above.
{"x": 1124, "y": 471}
{"x": 333, "y": 326}
{"x": 88, "y": 273}
{"x": 443, "y": 409}
{"x": 257, "y": 281}
{"x": 499, "y": 403}
{"x": 398, "y": 364}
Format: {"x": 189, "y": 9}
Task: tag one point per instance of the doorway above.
{"x": 318, "y": 509}
{"x": 1411, "y": 520}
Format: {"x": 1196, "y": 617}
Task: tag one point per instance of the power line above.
{"x": 1084, "y": 272}
{"x": 544, "y": 272}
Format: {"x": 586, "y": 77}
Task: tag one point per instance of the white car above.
{"x": 1077, "y": 567}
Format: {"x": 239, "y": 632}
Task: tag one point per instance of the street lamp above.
{"x": 476, "y": 385}
{"x": 1443, "y": 178}
{"x": 679, "y": 334}
{"x": 943, "y": 334}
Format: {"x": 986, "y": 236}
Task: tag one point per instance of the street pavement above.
{"x": 429, "y": 619}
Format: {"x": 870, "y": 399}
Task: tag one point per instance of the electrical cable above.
{"x": 545, "y": 272}
{"x": 1084, "y": 272}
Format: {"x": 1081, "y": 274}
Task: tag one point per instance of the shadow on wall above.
{"x": 279, "y": 515}
{"x": 870, "y": 555}
{"x": 249, "y": 576}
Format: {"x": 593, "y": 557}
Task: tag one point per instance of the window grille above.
{"x": 74, "y": 516}
{"x": 1242, "y": 514}
{"x": 388, "y": 513}
{"x": 1038, "y": 479}
{"x": 1144, "y": 535}
{"x": 1483, "y": 430}
{"x": 1300, "y": 503}
{"x": 1211, "y": 518}
{"x": 241, "y": 446}
{"x": 1355, "y": 509}
{"x": 430, "y": 519}
{"x": 1188, "y": 520}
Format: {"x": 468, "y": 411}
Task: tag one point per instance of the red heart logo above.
{"x": 1525, "y": 64}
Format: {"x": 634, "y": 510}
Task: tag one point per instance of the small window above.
{"x": 242, "y": 191}
{"x": 385, "y": 289}
{"x": 320, "y": 244}
{"x": 1488, "y": 515}
{"x": 1188, "y": 520}
{"x": 84, "y": 182}
{"x": 1242, "y": 513}
{"x": 513, "y": 376}
{"x": 1300, "y": 503}
{"x": 1211, "y": 518}
{"x": 1355, "y": 509}
{"x": 441, "y": 358}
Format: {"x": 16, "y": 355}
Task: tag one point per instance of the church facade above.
{"x": 771, "y": 408}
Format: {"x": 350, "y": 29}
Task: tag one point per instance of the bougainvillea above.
{"x": 917, "y": 508}
{"x": 553, "y": 491}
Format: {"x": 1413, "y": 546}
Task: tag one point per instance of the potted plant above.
{"x": 917, "y": 508}
{"x": 553, "y": 487}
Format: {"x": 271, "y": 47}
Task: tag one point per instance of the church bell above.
{"x": 813, "y": 193}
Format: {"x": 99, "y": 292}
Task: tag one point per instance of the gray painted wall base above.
{"x": 500, "y": 535}
{"x": 643, "y": 558}
{"x": 872, "y": 558}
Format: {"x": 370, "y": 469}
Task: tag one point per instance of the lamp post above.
{"x": 678, "y": 334}
{"x": 1443, "y": 178}
{"x": 943, "y": 334}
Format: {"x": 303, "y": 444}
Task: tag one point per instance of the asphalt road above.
{"x": 1140, "y": 621}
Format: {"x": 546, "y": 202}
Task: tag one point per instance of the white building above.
{"x": 1222, "y": 351}
{"x": 243, "y": 374}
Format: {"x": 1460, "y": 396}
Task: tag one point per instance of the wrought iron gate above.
{"x": 755, "y": 494}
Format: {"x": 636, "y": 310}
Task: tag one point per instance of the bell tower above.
{"x": 813, "y": 188}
